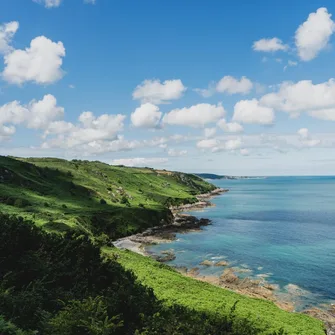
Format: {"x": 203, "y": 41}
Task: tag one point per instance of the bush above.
{"x": 103, "y": 202}
{"x": 64, "y": 206}
{"x": 125, "y": 200}
{"x": 46, "y": 204}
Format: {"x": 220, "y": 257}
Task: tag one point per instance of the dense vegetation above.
{"x": 57, "y": 285}
{"x": 53, "y": 279}
{"x": 174, "y": 288}
{"x": 92, "y": 196}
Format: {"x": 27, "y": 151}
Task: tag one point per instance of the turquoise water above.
{"x": 279, "y": 227}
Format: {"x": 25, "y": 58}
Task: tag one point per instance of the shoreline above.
{"x": 185, "y": 223}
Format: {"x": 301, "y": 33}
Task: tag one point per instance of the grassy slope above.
{"x": 60, "y": 194}
{"x": 173, "y": 287}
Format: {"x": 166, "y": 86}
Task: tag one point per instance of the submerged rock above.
{"x": 207, "y": 263}
{"x": 221, "y": 263}
{"x": 168, "y": 256}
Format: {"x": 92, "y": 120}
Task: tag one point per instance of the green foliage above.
{"x": 87, "y": 317}
{"x": 176, "y": 289}
{"x": 7, "y": 328}
{"x": 103, "y": 202}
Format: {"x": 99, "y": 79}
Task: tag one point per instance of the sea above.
{"x": 280, "y": 229}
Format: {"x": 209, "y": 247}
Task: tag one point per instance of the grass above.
{"x": 174, "y": 288}
{"x": 92, "y": 196}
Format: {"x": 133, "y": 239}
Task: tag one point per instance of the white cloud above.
{"x": 233, "y": 144}
{"x": 231, "y": 85}
{"x": 195, "y": 116}
{"x": 318, "y": 100}
{"x": 157, "y": 93}
{"x": 313, "y": 35}
{"x": 7, "y": 32}
{"x": 43, "y": 112}
{"x": 146, "y": 116}
{"x": 208, "y": 143}
{"x": 49, "y": 3}
{"x": 230, "y": 127}
{"x": 270, "y": 45}
{"x": 72, "y": 86}
{"x": 244, "y": 152}
{"x": 139, "y": 161}
{"x": 58, "y": 127}
{"x": 35, "y": 115}
{"x": 303, "y": 133}
{"x": 323, "y": 114}
{"x": 92, "y": 2}
{"x": 250, "y": 111}
{"x": 209, "y": 132}
{"x": 306, "y": 140}
{"x": 91, "y": 130}
{"x": 40, "y": 63}
{"x": 227, "y": 84}
{"x": 176, "y": 153}
{"x": 206, "y": 92}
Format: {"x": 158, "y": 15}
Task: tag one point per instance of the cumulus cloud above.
{"x": 231, "y": 85}
{"x": 139, "y": 161}
{"x": 195, "y": 116}
{"x": 270, "y": 45}
{"x": 35, "y": 115}
{"x": 250, "y": 111}
{"x": 230, "y": 127}
{"x": 313, "y": 35}
{"x": 40, "y": 63}
{"x": 318, "y": 100}
{"x": 49, "y": 3}
{"x": 146, "y": 116}
{"x": 176, "y": 153}
{"x": 7, "y": 32}
{"x": 228, "y": 85}
{"x": 155, "y": 92}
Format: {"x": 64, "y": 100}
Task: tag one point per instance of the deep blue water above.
{"x": 283, "y": 227}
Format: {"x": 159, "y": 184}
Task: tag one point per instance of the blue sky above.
{"x": 224, "y": 87}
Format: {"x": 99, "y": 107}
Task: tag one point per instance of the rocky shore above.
{"x": 184, "y": 223}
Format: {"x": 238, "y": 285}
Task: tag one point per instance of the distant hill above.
{"x": 216, "y": 176}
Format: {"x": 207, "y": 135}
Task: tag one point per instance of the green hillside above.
{"x": 92, "y": 196}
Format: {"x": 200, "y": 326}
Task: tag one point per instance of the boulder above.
{"x": 207, "y": 263}
{"x": 221, "y": 263}
{"x": 228, "y": 276}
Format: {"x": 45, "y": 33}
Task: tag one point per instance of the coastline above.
{"x": 184, "y": 223}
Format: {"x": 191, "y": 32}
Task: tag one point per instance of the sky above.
{"x": 227, "y": 87}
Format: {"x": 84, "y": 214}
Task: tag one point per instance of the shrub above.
{"x": 64, "y": 206}
{"x": 46, "y": 204}
{"x": 103, "y": 202}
